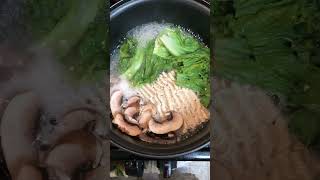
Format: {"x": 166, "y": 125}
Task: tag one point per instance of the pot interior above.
{"x": 189, "y": 14}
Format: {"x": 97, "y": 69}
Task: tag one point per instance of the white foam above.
{"x": 147, "y": 32}
{"x": 114, "y": 61}
{"x": 143, "y": 34}
{"x": 124, "y": 86}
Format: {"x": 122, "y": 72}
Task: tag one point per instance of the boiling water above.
{"x": 143, "y": 33}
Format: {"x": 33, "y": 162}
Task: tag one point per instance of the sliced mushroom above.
{"x": 129, "y": 114}
{"x": 73, "y": 151}
{"x": 115, "y": 103}
{"x": 73, "y": 119}
{"x": 168, "y": 115}
{"x": 18, "y": 127}
{"x": 125, "y": 127}
{"x": 154, "y": 140}
{"x": 131, "y": 120}
{"x": 146, "y": 115}
{"x": 132, "y": 101}
{"x": 29, "y": 172}
{"x": 160, "y": 119}
{"x": 131, "y": 111}
{"x": 144, "y": 119}
{"x": 167, "y": 126}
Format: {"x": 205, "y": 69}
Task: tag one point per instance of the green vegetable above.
{"x": 194, "y": 73}
{"x": 177, "y": 42}
{"x": 172, "y": 49}
{"x": 161, "y": 50}
{"x": 127, "y": 51}
{"x": 71, "y": 28}
{"x": 273, "y": 45}
{"x": 75, "y": 30}
{"x": 137, "y": 62}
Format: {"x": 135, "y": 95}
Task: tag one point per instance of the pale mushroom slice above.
{"x": 129, "y": 114}
{"x": 115, "y": 102}
{"x": 146, "y": 115}
{"x": 168, "y": 126}
{"x": 132, "y": 102}
{"x": 125, "y": 127}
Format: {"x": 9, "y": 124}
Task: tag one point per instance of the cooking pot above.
{"x": 190, "y": 14}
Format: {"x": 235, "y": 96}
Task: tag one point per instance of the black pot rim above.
{"x": 160, "y": 156}
{"x": 121, "y": 2}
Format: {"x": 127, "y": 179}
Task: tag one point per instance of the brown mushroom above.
{"x": 144, "y": 119}
{"x": 76, "y": 149}
{"x": 131, "y": 111}
{"x": 18, "y": 132}
{"x": 132, "y": 101}
{"x": 146, "y": 115}
{"x": 125, "y": 127}
{"x": 72, "y": 120}
{"x": 29, "y": 172}
{"x": 167, "y": 126}
{"x": 115, "y": 102}
{"x": 131, "y": 120}
{"x": 154, "y": 140}
{"x": 129, "y": 114}
{"x": 160, "y": 119}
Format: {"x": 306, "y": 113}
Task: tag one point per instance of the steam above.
{"x": 147, "y": 32}
{"x": 45, "y": 76}
{"x": 143, "y": 34}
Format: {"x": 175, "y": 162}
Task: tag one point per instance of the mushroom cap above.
{"x": 131, "y": 120}
{"x": 166, "y": 126}
{"x": 132, "y": 101}
{"x": 125, "y": 127}
{"x": 144, "y": 119}
{"x": 115, "y": 102}
{"x": 29, "y": 172}
{"x": 131, "y": 111}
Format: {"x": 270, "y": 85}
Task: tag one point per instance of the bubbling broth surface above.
{"x": 154, "y": 111}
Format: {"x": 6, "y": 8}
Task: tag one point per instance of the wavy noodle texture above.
{"x": 167, "y": 96}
